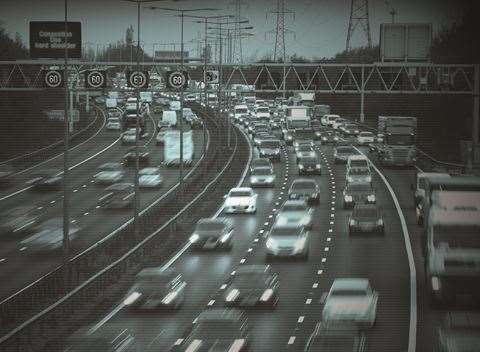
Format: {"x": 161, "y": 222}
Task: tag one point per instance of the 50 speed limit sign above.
{"x": 138, "y": 79}
{"x": 177, "y": 79}
{"x": 54, "y": 78}
{"x": 95, "y": 79}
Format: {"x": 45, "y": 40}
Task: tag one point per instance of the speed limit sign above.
{"x": 138, "y": 79}
{"x": 54, "y": 78}
{"x": 95, "y": 79}
{"x": 177, "y": 79}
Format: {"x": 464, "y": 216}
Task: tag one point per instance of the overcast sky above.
{"x": 320, "y": 26}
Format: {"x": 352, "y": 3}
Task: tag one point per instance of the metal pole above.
{"x": 180, "y": 176}
{"x": 66, "y": 198}
{"x": 476, "y": 113}
{"x": 205, "y": 64}
{"x": 362, "y": 97}
{"x": 137, "y": 137}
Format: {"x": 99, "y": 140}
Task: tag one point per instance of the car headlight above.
{"x": 267, "y": 295}
{"x": 318, "y": 166}
{"x": 371, "y": 198}
{"x": 300, "y": 244}
{"x": 225, "y": 237}
{"x": 132, "y": 298}
{"x": 232, "y": 295}
{"x": 169, "y": 297}
{"x": 348, "y": 198}
{"x": 194, "y": 238}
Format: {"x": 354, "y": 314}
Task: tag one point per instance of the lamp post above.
{"x": 182, "y": 63}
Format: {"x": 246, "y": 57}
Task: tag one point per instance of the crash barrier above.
{"x": 39, "y": 155}
{"x": 56, "y": 298}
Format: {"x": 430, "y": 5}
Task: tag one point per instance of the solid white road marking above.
{"x": 315, "y": 285}
{"x": 320, "y": 272}
{"x": 223, "y": 287}
{"x": 211, "y": 303}
{"x": 308, "y": 301}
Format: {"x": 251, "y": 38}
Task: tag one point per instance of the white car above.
{"x": 365, "y": 138}
{"x": 240, "y": 200}
{"x": 295, "y": 212}
{"x": 113, "y": 124}
{"x": 262, "y": 112}
{"x": 109, "y": 173}
{"x": 129, "y": 136}
{"x": 149, "y": 177}
{"x": 351, "y": 300}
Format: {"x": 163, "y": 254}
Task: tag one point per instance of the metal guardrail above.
{"x": 114, "y": 257}
{"x": 49, "y": 151}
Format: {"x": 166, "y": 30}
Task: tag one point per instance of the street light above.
{"x": 182, "y": 63}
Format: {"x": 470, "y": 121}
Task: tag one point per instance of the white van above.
{"x": 169, "y": 117}
{"x": 329, "y": 119}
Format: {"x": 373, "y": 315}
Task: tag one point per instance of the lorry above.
{"x": 303, "y": 99}
{"x": 171, "y": 153}
{"x": 452, "y": 246}
{"x": 398, "y": 147}
{"x": 297, "y": 118}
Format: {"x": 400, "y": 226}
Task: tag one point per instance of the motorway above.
{"x": 333, "y": 254}
{"x": 18, "y": 266}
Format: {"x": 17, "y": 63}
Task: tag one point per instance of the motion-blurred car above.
{"x": 304, "y": 188}
{"x": 303, "y": 151}
{"x": 45, "y": 180}
{"x": 459, "y": 332}
{"x": 270, "y": 148}
{"x": 300, "y": 142}
{"x": 252, "y": 286}
{"x": 295, "y": 212}
{"x": 358, "y": 193}
{"x": 6, "y": 175}
{"x": 262, "y": 177}
{"x": 351, "y": 300}
{"x": 365, "y": 218}
{"x": 162, "y": 131}
{"x": 261, "y": 163}
{"x": 365, "y": 138}
{"x": 48, "y": 236}
{"x": 109, "y": 173}
{"x": 287, "y": 241}
{"x": 113, "y": 124}
{"x": 336, "y": 337}
{"x": 150, "y": 177}
{"x": 350, "y": 129}
{"x": 129, "y": 136}
{"x": 18, "y": 220}
{"x": 358, "y": 162}
{"x": 329, "y": 137}
{"x": 309, "y": 166}
{"x": 107, "y": 340}
{"x": 156, "y": 288}
{"x": 240, "y": 200}
{"x": 130, "y": 156}
{"x": 216, "y": 330}
{"x": 117, "y": 196}
{"x": 212, "y": 233}
{"x": 341, "y": 153}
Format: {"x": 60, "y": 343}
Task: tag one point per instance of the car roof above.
{"x": 349, "y": 283}
{"x": 359, "y": 206}
{"x": 357, "y": 157}
{"x": 220, "y": 314}
{"x": 219, "y": 220}
{"x": 431, "y": 174}
{"x": 119, "y": 187}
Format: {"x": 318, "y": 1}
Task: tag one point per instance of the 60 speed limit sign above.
{"x": 95, "y": 79}
{"x": 138, "y": 79}
{"x": 177, "y": 79}
{"x": 54, "y": 79}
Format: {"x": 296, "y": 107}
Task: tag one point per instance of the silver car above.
{"x": 295, "y": 212}
{"x": 351, "y": 300}
{"x": 149, "y": 177}
{"x": 262, "y": 177}
{"x": 48, "y": 236}
{"x": 287, "y": 241}
{"x": 109, "y": 173}
{"x": 212, "y": 234}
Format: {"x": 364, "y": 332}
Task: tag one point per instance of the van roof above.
{"x": 454, "y": 217}
{"x": 453, "y": 182}
{"x": 456, "y": 200}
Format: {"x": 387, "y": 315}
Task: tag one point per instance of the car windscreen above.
{"x": 304, "y": 148}
{"x": 240, "y": 194}
{"x": 358, "y": 163}
{"x": 308, "y": 160}
{"x": 259, "y": 162}
{"x": 270, "y": 144}
{"x": 282, "y": 231}
{"x": 358, "y": 172}
{"x": 303, "y": 185}
{"x": 345, "y": 150}
{"x": 359, "y": 187}
{"x": 456, "y": 236}
{"x": 294, "y": 207}
{"x": 262, "y": 172}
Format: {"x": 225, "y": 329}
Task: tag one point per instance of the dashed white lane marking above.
{"x": 320, "y": 272}
{"x": 326, "y": 249}
{"x": 75, "y": 190}
{"x": 300, "y": 319}
{"x": 332, "y": 215}
{"x": 331, "y": 222}
{"x": 270, "y": 216}
{"x": 266, "y": 223}
{"x": 333, "y": 203}
{"x": 39, "y": 208}
{"x": 223, "y": 287}
{"x": 86, "y": 213}
{"x": 211, "y": 303}
{"x": 249, "y": 250}
{"x": 332, "y": 208}
{"x": 330, "y": 230}
{"x": 92, "y": 181}
{"x": 52, "y": 202}
{"x": 255, "y": 240}
{"x": 2, "y": 260}
{"x": 329, "y": 239}
{"x": 324, "y": 260}
{"x": 84, "y": 186}
{"x": 291, "y": 340}
{"x": 315, "y": 285}
{"x": 22, "y": 249}
{"x": 261, "y": 231}
{"x": 73, "y": 221}
{"x": 242, "y": 261}
{"x": 308, "y": 301}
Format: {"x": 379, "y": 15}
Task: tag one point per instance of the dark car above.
{"x": 309, "y": 165}
{"x": 156, "y": 288}
{"x": 342, "y": 337}
{"x": 51, "y": 179}
{"x": 216, "y": 330}
{"x": 365, "y": 218}
{"x": 252, "y": 286}
{"x": 341, "y": 153}
{"x": 270, "y": 148}
{"x": 358, "y": 193}
{"x": 307, "y": 189}
{"x": 212, "y": 234}
{"x": 105, "y": 340}
{"x": 459, "y": 332}
{"x": 143, "y": 156}
{"x": 329, "y": 137}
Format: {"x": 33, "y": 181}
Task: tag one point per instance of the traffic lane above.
{"x": 277, "y": 330}
{"x": 204, "y": 273}
{"x": 95, "y": 223}
{"x": 76, "y": 154}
